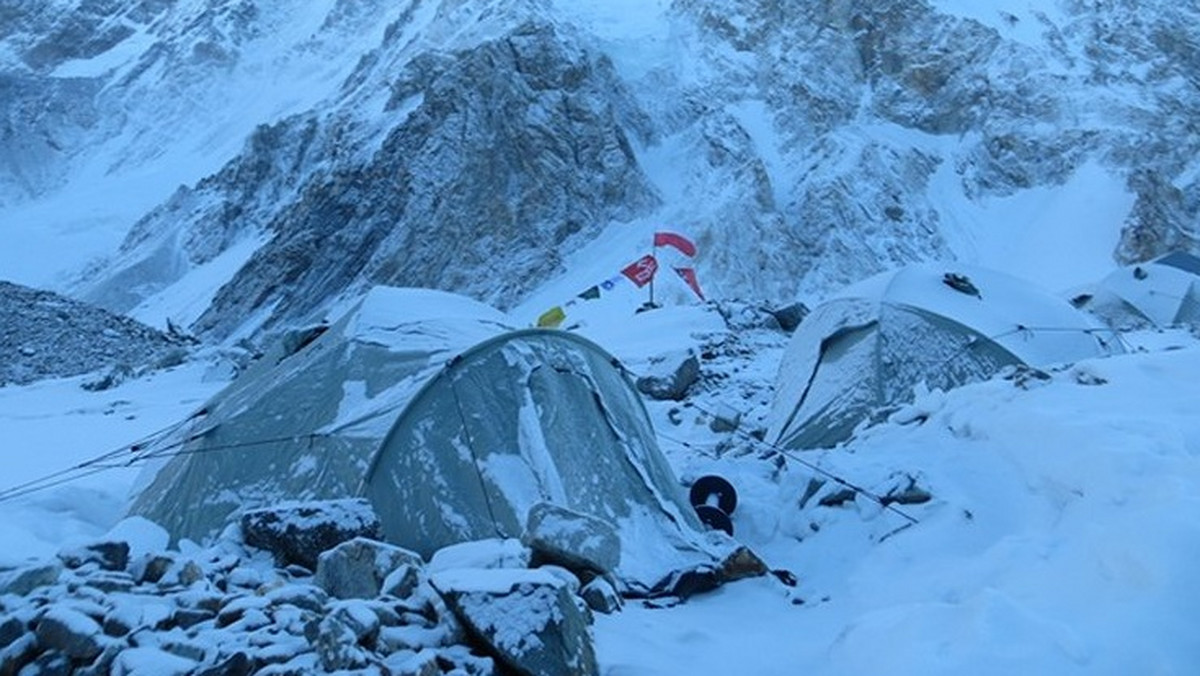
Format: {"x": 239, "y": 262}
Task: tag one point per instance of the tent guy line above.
{"x": 870, "y": 495}
{"x": 93, "y": 465}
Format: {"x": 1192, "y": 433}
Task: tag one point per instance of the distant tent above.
{"x": 451, "y": 424}
{"x": 863, "y": 351}
{"x": 1161, "y": 293}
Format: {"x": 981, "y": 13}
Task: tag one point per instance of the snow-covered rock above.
{"x": 21, "y": 581}
{"x": 600, "y": 596}
{"x": 358, "y": 568}
{"x": 492, "y": 553}
{"x": 528, "y": 619}
{"x": 70, "y": 632}
{"x": 239, "y": 615}
{"x": 108, "y": 555}
{"x": 297, "y": 532}
{"x": 669, "y": 376}
{"x": 570, "y": 539}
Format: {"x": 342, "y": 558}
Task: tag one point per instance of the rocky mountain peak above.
{"x": 467, "y": 146}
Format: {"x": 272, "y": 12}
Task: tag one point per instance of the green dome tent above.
{"x": 861, "y": 353}
{"x": 449, "y": 422}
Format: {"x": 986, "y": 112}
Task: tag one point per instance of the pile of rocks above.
{"x": 45, "y": 335}
{"x": 249, "y": 603}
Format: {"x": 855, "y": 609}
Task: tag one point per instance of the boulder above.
{"x": 738, "y": 564}
{"x": 24, "y": 580}
{"x": 237, "y": 607}
{"x": 573, "y": 540}
{"x": 109, "y": 555}
{"x": 669, "y": 376}
{"x": 526, "y": 619}
{"x": 112, "y": 581}
{"x": 102, "y": 665}
{"x": 303, "y": 596}
{"x": 402, "y": 582}
{"x": 413, "y": 663}
{"x": 11, "y": 629}
{"x": 904, "y": 489}
{"x": 143, "y": 536}
{"x": 69, "y": 632}
{"x": 15, "y": 655}
{"x": 357, "y": 568}
{"x": 490, "y": 553}
{"x": 237, "y": 664}
{"x": 297, "y": 532}
{"x": 601, "y": 596}
{"x": 151, "y": 661}
{"x": 336, "y": 644}
{"x": 741, "y": 316}
{"x": 151, "y": 568}
{"x": 790, "y": 316}
{"x": 49, "y": 663}
{"x": 360, "y": 618}
{"x": 186, "y": 618}
{"x": 725, "y": 419}
{"x": 684, "y": 584}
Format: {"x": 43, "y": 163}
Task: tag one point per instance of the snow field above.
{"x": 1060, "y": 539}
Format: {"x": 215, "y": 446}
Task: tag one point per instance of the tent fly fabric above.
{"x": 860, "y": 355}
{"x": 1161, "y": 293}
{"x": 449, "y": 422}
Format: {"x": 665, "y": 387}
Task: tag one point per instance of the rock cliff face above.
{"x": 468, "y": 145}
{"x": 481, "y": 166}
{"x": 500, "y": 157}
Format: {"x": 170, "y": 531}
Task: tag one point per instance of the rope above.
{"x": 841, "y": 481}
{"x": 859, "y": 490}
{"x": 99, "y": 464}
{"x": 60, "y": 477}
{"x": 140, "y": 447}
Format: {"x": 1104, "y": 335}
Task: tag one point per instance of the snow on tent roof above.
{"x": 1163, "y": 292}
{"x": 863, "y": 351}
{"x": 449, "y": 422}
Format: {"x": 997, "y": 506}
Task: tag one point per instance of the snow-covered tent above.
{"x": 862, "y": 352}
{"x": 449, "y": 422}
{"x": 1163, "y": 292}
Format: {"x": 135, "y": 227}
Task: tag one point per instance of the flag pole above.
{"x": 654, "y": 253}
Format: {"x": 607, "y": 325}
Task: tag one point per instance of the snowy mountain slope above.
{"x": 110, "y": 107}
{"x": 801, "y": 147}
{"x": 804, "y": 147}
{"x": 418, "y": 205}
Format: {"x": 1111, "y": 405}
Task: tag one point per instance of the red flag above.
{"x": 689, "y": 276}
{"x": 641, "y": 271}
{"x": 680, "y": 242}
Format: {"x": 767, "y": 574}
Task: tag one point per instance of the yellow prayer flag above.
{"x": 551, "y": 318}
